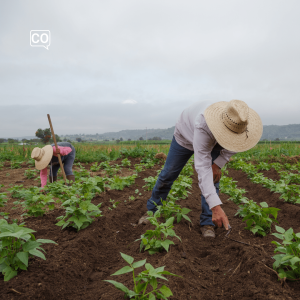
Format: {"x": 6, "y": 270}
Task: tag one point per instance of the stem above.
{"x": 133, "y": 279}
{"x": 145, "y": 289}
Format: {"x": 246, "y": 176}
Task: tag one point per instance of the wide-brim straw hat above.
{"x": 235, "y": 126}
{"x": 42, "y": 156}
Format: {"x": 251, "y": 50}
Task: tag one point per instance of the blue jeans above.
{"x": 67, "y": 160}
{"x": 176, "y": 160}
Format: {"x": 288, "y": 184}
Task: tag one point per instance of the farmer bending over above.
{"x": 48, "y": 156}
{"x": 224, "y": 129}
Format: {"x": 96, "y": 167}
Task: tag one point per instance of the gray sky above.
{"x": 115, "y": 65}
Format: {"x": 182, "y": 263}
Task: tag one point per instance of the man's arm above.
{"x": 203, "y": 144}
{"x": 223, "y": 158}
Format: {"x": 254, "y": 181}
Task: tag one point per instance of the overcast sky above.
{"x": 131, "y": 64}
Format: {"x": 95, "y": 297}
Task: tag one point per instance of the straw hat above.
{"x": 42, "y": 156}
{"x": 235, "y": 126}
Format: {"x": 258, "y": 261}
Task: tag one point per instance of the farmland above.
{"x": 259, "y": 190}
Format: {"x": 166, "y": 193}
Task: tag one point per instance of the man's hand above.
{"x": 219, "y": 217}
{"x": 216, "y": 173}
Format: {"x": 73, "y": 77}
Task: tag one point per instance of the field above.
{"x": 223, "y": 268}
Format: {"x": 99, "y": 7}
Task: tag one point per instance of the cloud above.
{"x": 165, "y": 53}
{"x": 130, "y": 101}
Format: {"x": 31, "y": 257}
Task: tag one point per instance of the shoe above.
{"x": 143, "y": 220}
{"x": 71, "y": 178}
{"x": 54, "y": 178}
{"x": 208, "y": 231}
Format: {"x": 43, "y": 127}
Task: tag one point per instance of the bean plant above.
{"x": 143, "y": 280}
{"x": 79, "y": 213}
{"x": 171, "y": 208}
{"x": 17, "y": 245}
{"x": 30, "y": 174}
{"x": 3, "y": 199}
{"x": 258, "y": 217}
{"x": 156, "y": 240}
{"x": 287, "y": 263}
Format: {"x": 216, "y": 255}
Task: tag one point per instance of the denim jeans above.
{"x": 67, "y": 160}
{"x": 176, "y": 160}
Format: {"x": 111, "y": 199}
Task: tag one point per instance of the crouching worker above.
{"x": 48, "y": 156}
{"x": 213, "y": 135}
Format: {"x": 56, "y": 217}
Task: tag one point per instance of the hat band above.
{"x": 41, "y": 154}
{"x": 246, "y": 130}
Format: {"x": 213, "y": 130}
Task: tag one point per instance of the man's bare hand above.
{"x": 219, "y": 217}
{"x": 216, "y": 173}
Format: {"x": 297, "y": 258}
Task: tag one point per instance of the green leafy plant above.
{"x": 114, "y": 204}
{"x": 16, "y": 164}
{"x": 150, "y": 183}
{"x": 95, "y": 167}
{"x": 16, "y": 191}
{"x": 126, "y": 162}
{"x": 257, "y": 217}
{"x": 4, "y": 215}
{"x": 148, "y": 277}
{"x": 287, "y": 264}
{"x": 156, "y": 240}
{"x": 36, "y": 203}
{"x": 3, "y": 199}
{"x": 170, "y": 208}
{"x": 79, "y": 213}
{"x": 30, "y": 173}
{"x": 17, "y": 244}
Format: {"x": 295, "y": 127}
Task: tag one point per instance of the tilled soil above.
{"x": 217, "y": 268}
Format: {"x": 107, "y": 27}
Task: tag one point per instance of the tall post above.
{"x": 58, "y": 155}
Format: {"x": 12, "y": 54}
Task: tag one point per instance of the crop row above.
{"x": 259, "y": 218}
{"x": 80, "y": 213}
{"x": 287, "y": 186}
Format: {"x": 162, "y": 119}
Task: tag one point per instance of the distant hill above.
{"x": 165, "y": 134}
{"x": 270, "y": 132}
{"x": 281, "y": 132}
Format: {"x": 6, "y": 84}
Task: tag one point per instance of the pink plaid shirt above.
{"x": 63, "y": 151}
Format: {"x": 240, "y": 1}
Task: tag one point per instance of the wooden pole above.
{"x": 58, "y": 155}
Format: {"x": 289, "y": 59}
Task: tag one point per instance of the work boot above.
{"x": 208, "y": 231}
{"x": 143, "y": 220}
{"x": 54, "y": 178}
{"x": 71, "y": 178}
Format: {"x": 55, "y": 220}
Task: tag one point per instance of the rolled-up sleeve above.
{"x": 203, "y": 144}
{"x": 223, "y": 158}
{"x": 63, "y": 150}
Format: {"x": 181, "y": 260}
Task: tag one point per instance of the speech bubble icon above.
{"x": 40, "y": 38}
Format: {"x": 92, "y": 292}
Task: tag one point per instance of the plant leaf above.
{"x": 37, "y": 253}
{"x": 127, "y": 258}
{"x": 139, "y": 263}
{"x": 124, "y": 270}
{"x": 166, "y": 291}
{"x": 23, "y": 257}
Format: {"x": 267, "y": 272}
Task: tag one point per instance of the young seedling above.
{"x": 170, "y": 208}
{"x": 30, "y": 174}
{"x": 17, "y": 244}
{"x": 79, "y": 213}
{"x": 146, "y": 278}
{"x": 156, "y": 240}
{"x": 258, "y": 217}
{"x": 287, "y": 263}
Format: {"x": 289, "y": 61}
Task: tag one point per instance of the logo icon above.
{"x": 40, "y": 38}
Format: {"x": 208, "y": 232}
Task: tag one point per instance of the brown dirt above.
{"x": 210, "y": 269}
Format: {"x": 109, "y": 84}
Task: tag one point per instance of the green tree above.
{"x": 58, "y": 139}
{"x": 44, "y": 135}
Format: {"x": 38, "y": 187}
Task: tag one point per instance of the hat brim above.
{"x": 227, "y": 138}
{"x": 44, "y": 161}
